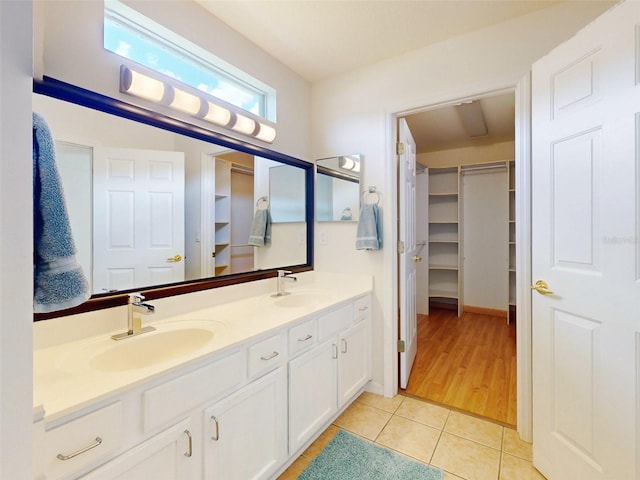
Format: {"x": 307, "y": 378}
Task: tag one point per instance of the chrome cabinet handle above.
{"x": 335, "y": 351}
{"x": 305, "y": 338}
{"x": 190, "y": 451}
{"x": 217, "y": 435}
{"x": 344, "y": 346}
{"x": 269, "y": 356}
{"x": 96, "y": 443}
{"x": 363, "y": 309}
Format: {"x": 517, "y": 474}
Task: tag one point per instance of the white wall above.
{"x": 468, "y": 155}
{"x": 16, "y": 261}
{"x": 353, "y": 113}
{"x": 485, "y": 227}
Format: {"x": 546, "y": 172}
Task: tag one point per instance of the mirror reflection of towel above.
{"x": 369, "y": 232}
{"x": 260, "y": 235}
{"x": 59, "y": 282}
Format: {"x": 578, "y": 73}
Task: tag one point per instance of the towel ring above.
{"x": 372, "y": 191}
{"x": 262, "y": 203}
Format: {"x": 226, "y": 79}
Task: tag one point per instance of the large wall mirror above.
{"x": 162, "y": 206}
{"x": 338, "y": 188}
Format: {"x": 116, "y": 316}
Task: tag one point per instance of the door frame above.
{"x": 522, "y": 91}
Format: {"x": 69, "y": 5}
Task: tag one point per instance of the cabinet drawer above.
{"x": 334, "y": 321}
{"x": 266, "y": 354}
{"x": 166, "y": 402}
{"x": 362, "y": 307}
{"x": 302, "y": 336}
{"x": 84, "y": 441}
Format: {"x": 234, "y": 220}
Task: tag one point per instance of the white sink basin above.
{"x": 150, "y": 348}
{"x": 170, "y": 341}
{"x": 303, "y": 298}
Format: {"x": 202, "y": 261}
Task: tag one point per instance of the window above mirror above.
{"x": 133, "y": 36}
{"x": 221, "y": 182}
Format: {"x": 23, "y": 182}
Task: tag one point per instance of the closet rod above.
{"x": 482, "y": 167}
{"x": 238, "y": 168}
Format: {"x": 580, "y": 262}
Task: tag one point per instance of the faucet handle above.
{"x": 282, "y": 273}
{"x": 136, "y": 297}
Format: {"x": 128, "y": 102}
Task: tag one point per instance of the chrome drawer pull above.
{"x": 270, "y": 356}
{"x": 304, "y": 339}
{"x": 190, "y": 452}
{"x": 362, "y": 309}
{"x": 217, "y": 436}
{"x": 344, "y": 346}
{"x": 335, "y": 351}
{"x": 97, "y": 442}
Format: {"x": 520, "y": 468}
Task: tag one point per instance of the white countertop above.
{"x": 64, "y": 382}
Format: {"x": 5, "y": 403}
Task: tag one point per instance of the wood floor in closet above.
{"x": 467, "y": 363}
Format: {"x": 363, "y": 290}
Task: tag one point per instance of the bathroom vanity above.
{"x": 233, "y": 391}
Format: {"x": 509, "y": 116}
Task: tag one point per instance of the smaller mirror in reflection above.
{"x": 338, "y": 189}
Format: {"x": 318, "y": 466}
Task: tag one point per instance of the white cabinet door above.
{"x": 353, "y": 361}
{"x": 312, "y": 392}
{"x": 245, "y": 434}
{"x": 166, "y": 456}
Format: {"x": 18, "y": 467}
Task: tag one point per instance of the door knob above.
{"x": 176, "y": 258}
{"x": 541, "y": 287}
{"x": 417, "y": 258}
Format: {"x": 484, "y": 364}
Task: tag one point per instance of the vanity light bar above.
{"x": 144, "y": 85}
{"x": 349, "y": 163}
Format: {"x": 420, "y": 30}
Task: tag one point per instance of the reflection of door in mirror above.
{"x": 139, "y": 194}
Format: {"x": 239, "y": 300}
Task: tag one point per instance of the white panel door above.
{"x": 585, "y": 221}
{"x": 138, "y": 223}
{"x": 408, "y": 255}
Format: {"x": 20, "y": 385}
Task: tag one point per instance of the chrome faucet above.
{"x": 283, "y": 276}
{"x": 134, "y": 322}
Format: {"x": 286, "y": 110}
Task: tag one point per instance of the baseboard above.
{"x": 443, "y": 305}
{"x": 374, "y": 387}
{"x": 485, "y": 311}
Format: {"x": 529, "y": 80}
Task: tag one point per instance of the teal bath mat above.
{"x": 347, "y": 457}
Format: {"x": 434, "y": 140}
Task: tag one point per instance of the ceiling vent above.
{"x": 472, "y": 118}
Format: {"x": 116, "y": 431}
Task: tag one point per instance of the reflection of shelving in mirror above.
{"x": 222, "y": 217}
{"x": 444, "y": 237}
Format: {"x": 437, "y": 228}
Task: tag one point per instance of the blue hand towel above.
{"x": 260, "y": 234}
{"x": 59, "y": 282}
{"x": 369, "y": 232}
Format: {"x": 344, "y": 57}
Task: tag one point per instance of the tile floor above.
{"x": 465, "y": 447}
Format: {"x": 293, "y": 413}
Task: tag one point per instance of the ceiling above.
{"x": 321, "y": 38}
{"x": 443, "y": 128}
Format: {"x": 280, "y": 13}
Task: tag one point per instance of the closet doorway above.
{"x": 465, "y": 295}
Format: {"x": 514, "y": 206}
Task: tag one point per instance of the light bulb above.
{"x": 140, "y": 85}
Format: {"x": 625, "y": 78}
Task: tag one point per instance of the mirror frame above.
{"x": 70, "y": 93}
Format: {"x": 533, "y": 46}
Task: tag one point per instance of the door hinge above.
{"x": 399, "y": 148}
{"x": 401, "y": 247}
{"x": 400, "y": 346}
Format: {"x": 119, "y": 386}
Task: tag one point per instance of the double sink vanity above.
{"x": 219, "y": 390}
